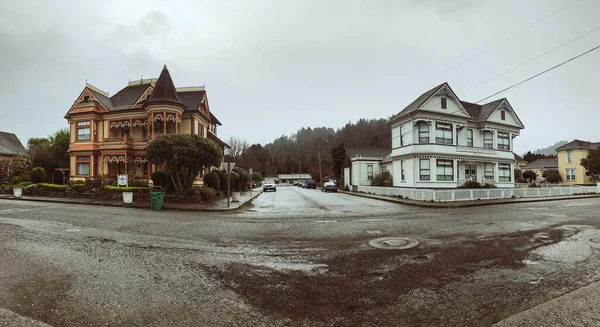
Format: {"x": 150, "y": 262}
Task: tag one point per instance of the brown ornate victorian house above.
{"x": 109, "y": 134}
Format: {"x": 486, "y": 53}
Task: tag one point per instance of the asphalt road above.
{"x": 295, "y": 257}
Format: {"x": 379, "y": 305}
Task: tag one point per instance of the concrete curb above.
{"x": 134, "y": 205}
{"x": 476, "y": 203}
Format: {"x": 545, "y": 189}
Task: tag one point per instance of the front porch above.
{"x": 483, "y": 172}
{"x": 136, "y": 167}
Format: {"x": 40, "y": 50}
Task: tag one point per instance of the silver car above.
{"x": 269, "y": 185}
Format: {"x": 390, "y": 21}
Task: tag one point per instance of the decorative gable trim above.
{"x": 446, "y": 91}
{"x": 145, "y": 95}
{"x": 86, "y": 98}
{"x": 505, "y": 105}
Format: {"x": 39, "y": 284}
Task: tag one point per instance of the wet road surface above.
{"x": 295, "y": 257}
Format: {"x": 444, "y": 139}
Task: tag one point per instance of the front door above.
{"x": 471, "y": 172}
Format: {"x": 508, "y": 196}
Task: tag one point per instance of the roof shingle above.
{"x": 367, "y": 152}
{"x": 10, "y": 144}
{"x": 129, "y": 95}
{"x": 164, "y": 90}
{"x": 543, "y": 163}
{"x": 578, "y": 144}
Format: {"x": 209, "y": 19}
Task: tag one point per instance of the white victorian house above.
{"x": 439, "y": 141}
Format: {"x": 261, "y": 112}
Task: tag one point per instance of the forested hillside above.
{"x": 298, "y": 152}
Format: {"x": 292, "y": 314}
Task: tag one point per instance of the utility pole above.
{"x": 319, "y": 148}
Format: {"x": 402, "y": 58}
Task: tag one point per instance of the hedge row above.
{"x": 116, "y": 189}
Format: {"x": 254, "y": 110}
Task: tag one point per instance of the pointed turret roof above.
{"x": 165, "y": 90}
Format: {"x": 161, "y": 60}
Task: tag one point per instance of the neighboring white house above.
{"x": 439, "y": 141}
{"x": 293, "y": 178}
{"x": 365, "y": 163}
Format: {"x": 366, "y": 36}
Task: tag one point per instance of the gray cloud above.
{"x": 289, "y": 64}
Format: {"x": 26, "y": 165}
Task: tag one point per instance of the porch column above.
{"x": 92, "y": 159}
{"x": 152, "y": 124}
{"x": 126, "y": 171}
{"x": 455, "y": 166}
{"x": 432, "y": 132}
{"x": 164, "y": 122}
{"x": 101, "y": 165}
{"x": 496, "y": 173}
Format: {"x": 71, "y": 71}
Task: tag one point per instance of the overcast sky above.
{"x": 273, "y": 66}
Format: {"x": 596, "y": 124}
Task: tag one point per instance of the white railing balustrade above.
{"x": 478, "y": 194}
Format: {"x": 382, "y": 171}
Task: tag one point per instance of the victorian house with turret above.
{"x": 109, "y": 134}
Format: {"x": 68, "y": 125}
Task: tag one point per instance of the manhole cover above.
{"x": 398, "y": 243}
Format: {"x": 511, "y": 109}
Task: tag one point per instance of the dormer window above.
{"x": 503, "y": 115}
{"x": 444, "y": 103}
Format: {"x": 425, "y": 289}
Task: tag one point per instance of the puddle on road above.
{"x": 283, "y": 266}
{"x": 578, "y": 245}
{"x": 395, "y": 243}
{"x": 326, "y": 221}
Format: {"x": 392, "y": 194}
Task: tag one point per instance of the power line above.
{"x": 508, "y": 88}
{"x": 511, "y": 36}
{"x": 530, "y": 60}
{"x": 541, "y": 73}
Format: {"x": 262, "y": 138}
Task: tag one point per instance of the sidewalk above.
{"x": 464, "y": 204}
{"x": 578, "y": 308}
{"x": 218, "y": 205}
{"x": 9, "y": 318}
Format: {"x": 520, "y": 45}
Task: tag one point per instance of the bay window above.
{"x": 504, "y": 172}
{"x": 469, "y": 137}
{"x": 488, "y": 141}
{"x": 489, "y": 171}
{"x": 423, "y": 132}
{"x": 444, "y": 170}
{"x": 83, "y": 165}
{"x": 443, "y": 133}
{"x": 83, "y": 130}
{"x": 503, "y": 141}
{"x": 424, "y": 172}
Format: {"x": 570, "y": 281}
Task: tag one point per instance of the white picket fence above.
{"x": 477, "y": 194}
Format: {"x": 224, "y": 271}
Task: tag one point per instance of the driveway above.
{"x": 295, "y": 258}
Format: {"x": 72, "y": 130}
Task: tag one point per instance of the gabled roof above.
{"x": 129, "y": 95}
{"x": 374, "y": 152}
{"x": 106, "y": 102}
{"x": 419, "y": 101}
{"x": 164, "y": 90}
{"x": 481, "y": 112}
{"x": 543, "y": 163}
{"x": 578, "y": 144}
{"x": 191, "y": 99}
{"x": 214, "y": 119}
{"x": 10, "y": 144}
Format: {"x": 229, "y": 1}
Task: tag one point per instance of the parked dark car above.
{"x": 329, "y": 187}
{"x": 310, "y": 184}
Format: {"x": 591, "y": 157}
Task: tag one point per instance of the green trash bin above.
{"x": 157, "y": 197}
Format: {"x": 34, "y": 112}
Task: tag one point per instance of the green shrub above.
{"x": 234, "y": 181}
{"x": 115, "y": 184}
{"x": 488, "y": 185}
{"x": 212, "y": 180}
{"x": 38, "y": 175}
{"x": 52, "y": 187}
{"x": 116, "y": 189}
{"x": 78, "y": 182}
{"x": 242, "y": 180}
{"x": 383, "y": 179}
{"x": 159, "y": 179}
{"x": 24, "y": 178}
{"x": 222, "y": 180}
{"x": 470, "y": 184}
{"x": 207, "y": 193}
